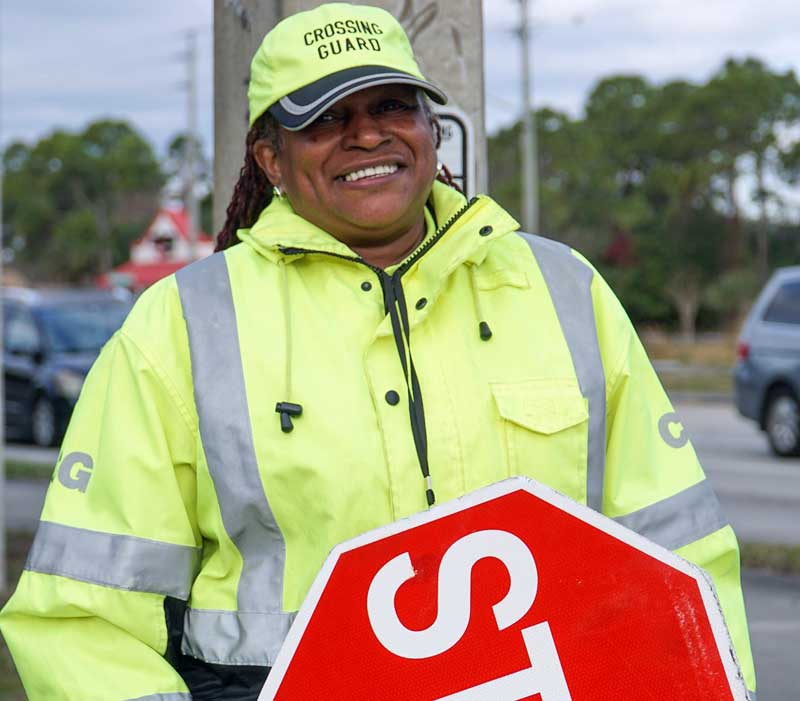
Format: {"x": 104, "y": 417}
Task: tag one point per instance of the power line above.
{"x": 530, "y": 184}
{"x": 191, "y": 139}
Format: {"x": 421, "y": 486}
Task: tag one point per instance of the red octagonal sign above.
{"x": 512, "y": 592}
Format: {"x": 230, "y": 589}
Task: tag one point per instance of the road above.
{"x": 760, "y": 493}
{"x": 761, "y": 496}
{"x": 24, "y": 498}
{"x": 773, "y": 613}
{"x": 30, "y": 453}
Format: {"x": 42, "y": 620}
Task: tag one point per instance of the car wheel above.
{"x": 44, "y": 430}
{"x": 783, "y": 423}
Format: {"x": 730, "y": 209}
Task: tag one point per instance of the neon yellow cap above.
{"x": 312, "y": 59}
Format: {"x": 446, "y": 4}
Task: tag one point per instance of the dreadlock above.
{"x": 253, "y": 191}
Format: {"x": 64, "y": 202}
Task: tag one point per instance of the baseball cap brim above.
{"x": 298, "y": 109}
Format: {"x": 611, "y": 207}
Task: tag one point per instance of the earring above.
{"x": 276, "y": 190}
{"x": 439, "y": 167}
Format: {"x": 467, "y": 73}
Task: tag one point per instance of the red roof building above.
{"x": 162, "y": 249}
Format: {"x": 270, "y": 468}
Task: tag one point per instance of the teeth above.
{"x": 370, "y": 172}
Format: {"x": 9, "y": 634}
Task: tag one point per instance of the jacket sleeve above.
{"x": 653, "y": 481}
{"x": 117, "y": 536}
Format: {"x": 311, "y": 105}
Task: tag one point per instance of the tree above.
{"x": 661, "y": 169}
{"x": 790, "y": 163}
{"x": 750, "y": 106}
{"x": 574, "y": 181}
{"x": 74, "y": 202}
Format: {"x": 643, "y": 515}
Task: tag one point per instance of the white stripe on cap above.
{"x": 374, "y": 79}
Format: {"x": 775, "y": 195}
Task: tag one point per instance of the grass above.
{"x": 712, "y": 380}
{"x": 17, "y": 469}
{"x": 712, "y": 350}
{"x": 700, "y": 366}
{"x": 783, "y": 559}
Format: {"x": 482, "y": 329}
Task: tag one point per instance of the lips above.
{"x": 367, "y": 172}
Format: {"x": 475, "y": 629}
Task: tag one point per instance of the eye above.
{"x": 325, "y": 118}
{"x": 394, "y": 105}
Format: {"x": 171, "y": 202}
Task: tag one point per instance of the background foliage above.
{"x": 72, "y": 203}
{"x": 684, "y": 195}
{"x": 680, "y": 193}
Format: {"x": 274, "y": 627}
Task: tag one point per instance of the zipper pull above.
{"x": 429, "y": 495}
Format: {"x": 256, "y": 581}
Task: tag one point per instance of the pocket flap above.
{"x": 502, "y": 278}
{"x": 544, "y": 406}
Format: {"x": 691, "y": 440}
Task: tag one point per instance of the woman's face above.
{"x": 323, "y": 169}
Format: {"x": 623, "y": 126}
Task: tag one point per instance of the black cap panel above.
{"x": 298, "y": 109}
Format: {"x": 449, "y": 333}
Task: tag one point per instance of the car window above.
{"x": 785, "y": 305}
{"x": 20, "y": 334}
{"x": 73, "y": 328}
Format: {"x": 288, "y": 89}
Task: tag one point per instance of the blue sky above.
{"x": 64, "y": 63}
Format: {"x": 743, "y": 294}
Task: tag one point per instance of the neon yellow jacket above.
{"x": 176, "y": 482}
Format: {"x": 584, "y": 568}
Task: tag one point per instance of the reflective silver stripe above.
{"x": 180, "y": 696}
{"x": 235, "y": 637}
{"x": 119, "y": 561}
{"x": 680, "y": 519}
{"x": 569, "y": 281}
{"x": 221, "y": 400}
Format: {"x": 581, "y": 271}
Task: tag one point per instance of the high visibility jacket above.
{"x": 186, "y": 522}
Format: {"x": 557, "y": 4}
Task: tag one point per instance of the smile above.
{"x": 372, "y": 172}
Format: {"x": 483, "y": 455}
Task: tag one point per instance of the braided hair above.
{"x": 253, "y": 191}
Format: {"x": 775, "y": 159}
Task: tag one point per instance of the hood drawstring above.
{"x": 287, "y": 409}
{"x": 395, "y": 306}
{"x": 483, "y": 325}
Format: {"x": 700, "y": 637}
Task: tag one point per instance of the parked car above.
{"x": 767, "y": 374}
{"x": 50, "y": 340}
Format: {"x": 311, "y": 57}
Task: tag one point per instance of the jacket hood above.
{"x": 279, "y": 227}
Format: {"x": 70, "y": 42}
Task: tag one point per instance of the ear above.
{"x": 267, "y": 159}
{"x": 433, "y": 120}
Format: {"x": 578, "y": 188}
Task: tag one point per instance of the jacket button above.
{"x": 486, "y": 230}
{"x": 392, "y": 397}
{"x": 366, "y": 286}
{"x": 421, "y": 302}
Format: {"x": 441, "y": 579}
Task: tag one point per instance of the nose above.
{"x": 364, "y": 131}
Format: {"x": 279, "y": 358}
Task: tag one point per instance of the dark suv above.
{"x": 767, "y": 375}
{"x": 50, "y": 340}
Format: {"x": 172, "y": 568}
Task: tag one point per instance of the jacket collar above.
{"x": 279, "y": 227}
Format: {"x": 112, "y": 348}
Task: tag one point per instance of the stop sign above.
{"x": 512, "y": 592}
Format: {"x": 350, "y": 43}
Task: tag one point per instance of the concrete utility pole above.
{"x": 239, "y": 27}
{"x": 3, "y": 551}
{"x": 191, "y": 141}
{"x": 3, "y": 563}
{"x": 447, "y": 36}
{"x": 530, "y": 166}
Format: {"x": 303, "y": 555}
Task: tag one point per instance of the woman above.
{"x": 366, "y": 343}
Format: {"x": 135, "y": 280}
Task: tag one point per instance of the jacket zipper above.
{"x": 413, "y": 258}
{"x": 395, "y": 306}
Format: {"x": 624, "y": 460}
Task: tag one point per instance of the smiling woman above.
{"x": 365, "y": 343}
{"x": 362, "y": 170}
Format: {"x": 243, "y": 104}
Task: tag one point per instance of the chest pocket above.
{"x": 546, "y": 425}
